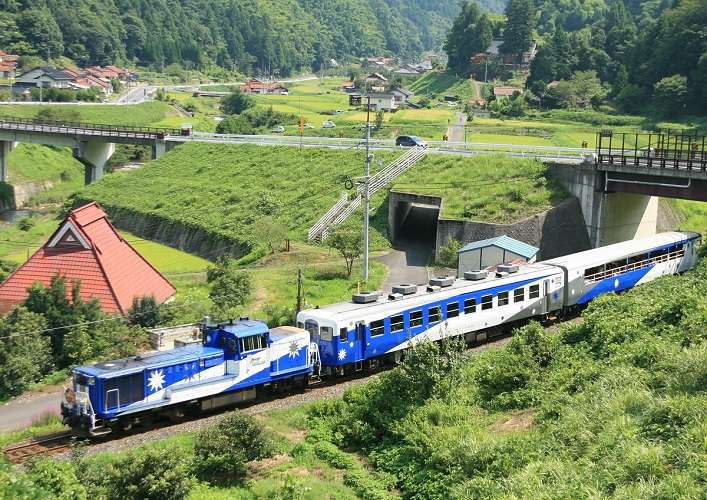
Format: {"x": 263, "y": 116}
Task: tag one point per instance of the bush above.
{"x": 58, "y": 478}
{"x": 146, "y": 312}
{"x": 154, "y": 474}
{"x": 235, "y": 124}
{"x": 449, "y": 253}
{"x": 221, "y": 452}
{"x": 236, "y": 102}
{"x": 229, "y": 287}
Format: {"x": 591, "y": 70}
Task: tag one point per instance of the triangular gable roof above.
{"x": 86, "y": 247}
{"x": 504, "y": 242}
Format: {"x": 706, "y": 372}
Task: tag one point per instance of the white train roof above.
{"x": 597, "y": 256}
{"x": 349, "y": 311}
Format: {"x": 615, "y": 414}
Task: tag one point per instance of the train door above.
{"x": 360, "y": 341}
{"x": 112, "y": 399}
{"x": 553, "y": 297}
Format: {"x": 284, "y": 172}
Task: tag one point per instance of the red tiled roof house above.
{"x": 86, "y": 247}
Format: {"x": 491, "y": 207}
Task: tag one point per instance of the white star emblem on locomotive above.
{"x": 342, "y": 354}
{"x": 156, "y": 380}
{"x": 294, "y": 349}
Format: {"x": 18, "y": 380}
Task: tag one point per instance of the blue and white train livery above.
{"x": 234, "y": 361}
{"x": 237, "y": 360}
{"x": 378, "y": 328}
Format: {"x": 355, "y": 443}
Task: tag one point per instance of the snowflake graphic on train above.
{"x": 239, "y": 359}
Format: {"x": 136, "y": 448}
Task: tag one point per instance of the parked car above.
{"x": 410, "y": 141}
{"x": 308, "y": 125}
{"x": 278, "y": 130}
{"x": 328, "y": 124}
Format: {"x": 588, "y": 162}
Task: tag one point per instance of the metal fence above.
{"x": 80, "y": 128}
{"x": 681, "y": 150}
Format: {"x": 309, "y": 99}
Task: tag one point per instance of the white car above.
{"x": 308, "y": 125}
{"x": 278, "y": 130}
{"x": 328, "y": 124}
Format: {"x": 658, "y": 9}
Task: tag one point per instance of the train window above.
{"x": 252, "y": 343}
{"x": 397, "y": 324}
{"x": 534, "y": 291}
{"x": 503, "y": 299}
{"x": 593, "y": 270}
{"x": 469, "y": 306}
{"x": 452, "y": 310}
{"x": 300, "y": 325}
{"x": 486, "y": 302}
{"x": 344, "y": 334}
{"x": 415, "y": 319}
{"x": 637, "y": 258}
{"x": 377, "y": 328}
{"x": 519, "y": 295}
{"x": 434, "y": 314}
{"x": 127, "y": 390}
{"x": 326, "y": 333}
{"x": 312, "y": 327}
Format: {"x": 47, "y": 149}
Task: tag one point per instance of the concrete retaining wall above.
{"x": 556, "y": 232}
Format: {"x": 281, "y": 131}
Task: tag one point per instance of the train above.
{"x": 241, "y": 359}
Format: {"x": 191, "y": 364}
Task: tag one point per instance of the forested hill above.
{"x": 287, "y": 35}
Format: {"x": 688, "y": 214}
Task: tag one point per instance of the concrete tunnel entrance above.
{"x": 412, "y": 225}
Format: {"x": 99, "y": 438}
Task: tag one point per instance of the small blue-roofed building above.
{"x": 493, "y": 251}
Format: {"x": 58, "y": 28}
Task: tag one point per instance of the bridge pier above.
{"x": 160, "y": 147}
{"x": 94, "y": 155}
{"x": 5, "y": 148}
{"x": 609, "y": 217}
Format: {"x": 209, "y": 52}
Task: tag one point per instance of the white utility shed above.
{"x": 494, "y": 251}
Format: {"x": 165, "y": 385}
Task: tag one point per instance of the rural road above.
{"x": 455, "y": 132}
{"x": 137, "y": 95}
{"x": 19, "y": 412}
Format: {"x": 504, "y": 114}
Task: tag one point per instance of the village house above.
{"x": 348, "y": 87}
{"x": 88, "y": 249}
{"x": 402, "y": 96}
{"x": 46, "y": 77}
{"x": 377, "y": 78}
{"x": 505, "y": 92}
{"x": 384, "y": 101}
{"x": 255, "y": 86}
{"x": 8, "y": 64}
{"x": 381, "y": 62}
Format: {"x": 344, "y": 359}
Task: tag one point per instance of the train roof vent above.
{"x": 442, "y": 282}
{"x": 476, "y": 275}
{"x": 395, "y": 296}
{"x": 433, "y": 288}
{"x": 364, "y": 297}
{"x": 405, "y": 289}
{"x": 507, "y": 268}
{"x": 501, "y": 274}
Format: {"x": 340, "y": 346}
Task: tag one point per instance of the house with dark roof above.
{"x": 87, "y": 248}
{"x": 402, "y": 95}
{"x": 45, "y": 76}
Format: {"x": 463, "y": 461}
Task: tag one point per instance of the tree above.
{"x": 59, "y": 114}
{"x": 270, "y": 232}
{"x": 145, "y": 311}
{"x": 671, "y": 94}
{"x": 348, "y": 242}
{"x": 379, "y": 119}
{"x": 42, "y": 32}
{"x": 77, "y": 343}
{"x": 6, "y": 267}
{"x": 25, "y": 351}
{"x": 236, "y": 102}
{"x": 229, "y": 287}
{"x": 449, "y": 253}
{"x": 235, "y": 124}
{"x": 221, "y": 452}
{"x": 470, "y": 34}
{"x": 520, "y": 22}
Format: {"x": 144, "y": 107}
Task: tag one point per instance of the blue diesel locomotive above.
{"x": 239, "y": 359}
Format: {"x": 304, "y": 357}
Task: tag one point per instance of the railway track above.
{"x": 36, "y": 447}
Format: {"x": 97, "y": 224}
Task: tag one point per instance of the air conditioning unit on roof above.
{"x": 476, "y": 275}
{"x": 507, "y": 268}
{"x": 405, "y": 289}
{"x": 364, "y": 297}
{"x": 443, "y": 282}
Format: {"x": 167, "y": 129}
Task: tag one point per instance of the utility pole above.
{"x": 366, "y": 177}
{"x": 299, "y": 290}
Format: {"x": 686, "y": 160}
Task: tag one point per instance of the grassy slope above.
{"x": 435, "y": 84}
{"x": 229, "y": 188}
{"x": 138, "y": 115}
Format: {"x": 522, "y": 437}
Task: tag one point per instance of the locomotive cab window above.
{"x": 469, "y": 306}
{"x": 326, "y": 333}
{"x": 534, "y": 291}
{"x": 252, "y": 343}
{"x": 415, "y": 319}
{"x": 344, "y": 334}
{"x": 519, "y": 295}
{"x": 486, "y": 302}
{"x": 397, "y": 324}
{"x": 122, "y": 391}
{"x": 377, "y": 328}
{"x": 434, "y": 314}
{"x": 452, "y": 310}
{"x": 503, "y": 299}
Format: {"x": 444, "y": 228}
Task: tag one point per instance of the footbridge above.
{"x": 619, "y": 190}
{"x": 93, "y": 144}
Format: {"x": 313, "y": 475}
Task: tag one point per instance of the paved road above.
{"x": 455, "y": 131}
{"x": 137, "y": 95}
{"x": 21, "y": 411}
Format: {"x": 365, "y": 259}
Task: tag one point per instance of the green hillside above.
{"x": 228, "y": 189}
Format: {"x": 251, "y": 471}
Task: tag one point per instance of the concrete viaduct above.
{"x": 92, "y": 144}
{"x": 619, "y": 188}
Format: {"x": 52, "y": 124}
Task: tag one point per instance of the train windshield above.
{"x": 313, "y": 328}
